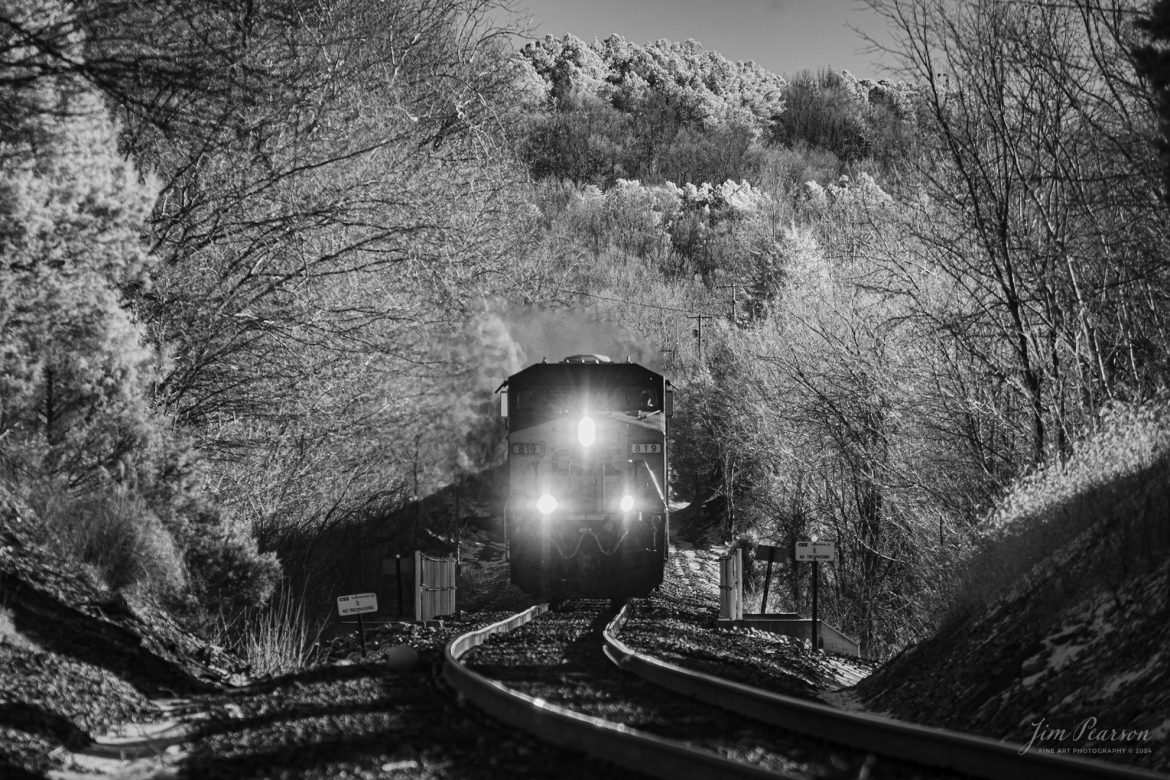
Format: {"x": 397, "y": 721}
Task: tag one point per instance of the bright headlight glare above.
{"x": 546, "y": 504}
{"x": 586, "y": 431}
{"x": 627, "y": 503}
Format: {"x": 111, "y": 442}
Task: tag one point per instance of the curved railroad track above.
{"x": 523, "y": 673}
{"x": 546, "y": 672}
{"x": 946, "y": 750}
{"x": 613, "y": 742}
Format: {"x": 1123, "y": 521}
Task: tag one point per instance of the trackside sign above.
{"x": 816, "y": 551}
{"x": 357, "y": 604}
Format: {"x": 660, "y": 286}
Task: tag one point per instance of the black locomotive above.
{"x": 587, "y": 513}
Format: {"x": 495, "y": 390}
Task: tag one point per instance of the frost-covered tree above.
{"x": 853, "y": 118}
{"x": 77, "y": 369}
{"x": 702, "y": 86}
{"x": 662, "y": 110}
{"x": 81, "y": 438}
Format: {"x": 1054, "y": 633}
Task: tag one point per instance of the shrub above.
{"x": 227, "y": 570}
{"x": 114, "y": 532}
{"x": 785, "y": 170}
{"x": 195, "y": 554}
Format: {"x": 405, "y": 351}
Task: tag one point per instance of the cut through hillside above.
{"x": 1072, "y": 657}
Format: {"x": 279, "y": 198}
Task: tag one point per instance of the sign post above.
{"x": 816, "y": 552}
{"x": 398, "y": 581}
{"x": 816, "y": 622}
{"x": 770, "y": 551}
{"x": 358, "y": 604}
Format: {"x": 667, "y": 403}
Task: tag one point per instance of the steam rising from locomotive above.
{"x": 587, "y": 512}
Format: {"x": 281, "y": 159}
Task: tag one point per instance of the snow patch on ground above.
{"x": 1060, "y": 649}
{"x": 143, "y": 750}
{"x": 1114, "y": 684}
{"x": 1063, "y": 655}
{"x": 1160, "y": 732}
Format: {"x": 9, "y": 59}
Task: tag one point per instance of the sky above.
{"x": 783, "y": 36}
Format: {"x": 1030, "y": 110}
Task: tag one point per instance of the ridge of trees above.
{"x": 677, "y": 112}
{"x": 255, "y": 257}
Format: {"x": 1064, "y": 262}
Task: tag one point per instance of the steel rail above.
{"x": 965, "y": 753}
{"x": 615, "y": 743}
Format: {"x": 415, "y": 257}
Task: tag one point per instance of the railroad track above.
{"x": 629, "y": 748}
{"x": 546, "y": 673}
{"x": 946, "y": 750}
{"x": 633, "y": 749}
{"x": 637, "y": 749}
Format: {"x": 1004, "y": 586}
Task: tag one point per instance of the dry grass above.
{"x": 1115, "y": 488}
{"x": 278, "y": 638}
{"x": 113, "y": 532}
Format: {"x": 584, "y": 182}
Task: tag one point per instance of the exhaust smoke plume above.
{"x": 534, "y": 334}
{"x": 501, "y": 340}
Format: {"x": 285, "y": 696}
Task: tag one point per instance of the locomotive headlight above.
{"x": 586, "y": 431}
{"x": 546, "y": 504}
{"x": 627, "y": 503}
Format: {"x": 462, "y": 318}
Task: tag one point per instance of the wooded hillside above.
{"x": 264, "y": 263}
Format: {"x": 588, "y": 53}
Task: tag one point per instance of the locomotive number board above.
{"x": 639, "y": 448}
{"x": 527, "y": 448}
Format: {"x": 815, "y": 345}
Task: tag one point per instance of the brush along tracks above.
{"x": 548, "y": 673}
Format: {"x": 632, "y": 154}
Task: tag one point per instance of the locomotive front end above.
{"x": 587, "y": 512}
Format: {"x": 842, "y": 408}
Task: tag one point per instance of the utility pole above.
{"x": 699, "y": 332}
{"x": 734, "y": 295}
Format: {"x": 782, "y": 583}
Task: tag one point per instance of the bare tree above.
{"x": 335, "y": 185}
{"x": 1039, "y": 203}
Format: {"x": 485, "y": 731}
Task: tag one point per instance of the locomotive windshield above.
{"x": 547, "y": 402}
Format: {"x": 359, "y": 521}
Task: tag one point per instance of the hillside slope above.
{"x": 77, "y": 659}
{"x": 1073, "y": 657}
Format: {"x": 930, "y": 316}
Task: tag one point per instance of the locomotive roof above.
{"x": 570, "y": 373}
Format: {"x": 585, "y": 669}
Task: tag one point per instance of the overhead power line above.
{"x": 643, "y": 304}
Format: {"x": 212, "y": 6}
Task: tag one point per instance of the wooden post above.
{"x": 767, "y": 580}
{"x": 816, "y": 623}
{"x": 418, "y": 585}
{"x": 724, "y": 602}
{"x": 398, "y": 579}
{"x": 727, "y": 587}
{"x": 739, "y": 584}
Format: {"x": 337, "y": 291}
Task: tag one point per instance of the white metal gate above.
{"x": 731, "y": 586}
{"x": 434, "y": 586}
